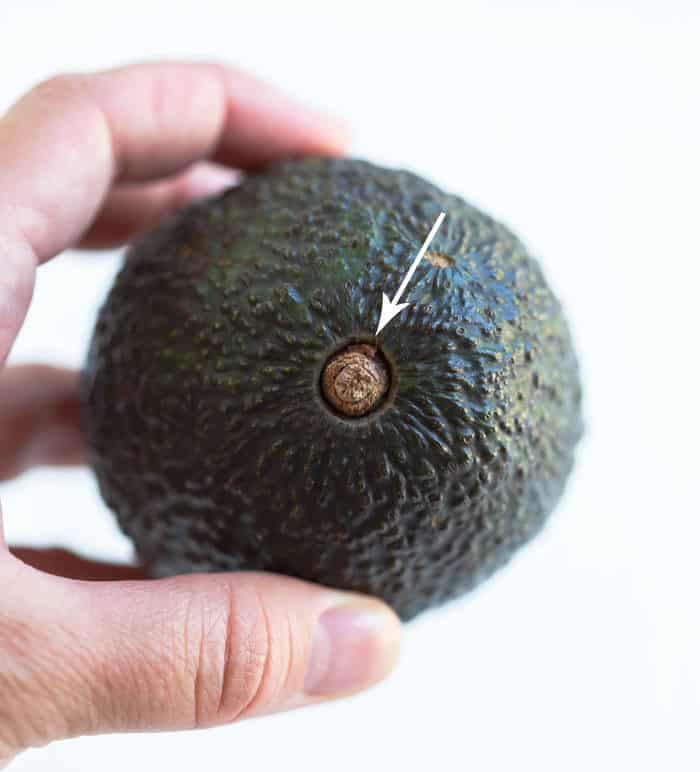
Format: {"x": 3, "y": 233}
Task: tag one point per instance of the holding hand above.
{"x": 91, "y": 161}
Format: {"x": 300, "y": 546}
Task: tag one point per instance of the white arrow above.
{"x": 392, "y": 307}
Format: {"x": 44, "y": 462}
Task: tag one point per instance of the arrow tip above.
{"x": 388, "y": 312}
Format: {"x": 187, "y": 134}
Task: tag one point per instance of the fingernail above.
{"x": 208, "y": 180}
{"x": 354, "y": 646}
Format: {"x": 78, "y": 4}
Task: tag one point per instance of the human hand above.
{"x": 90, "y": 161}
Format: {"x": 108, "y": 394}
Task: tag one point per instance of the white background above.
{"x": 578, "y": 124}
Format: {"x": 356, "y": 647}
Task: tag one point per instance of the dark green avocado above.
{"x": 241, "y": 414}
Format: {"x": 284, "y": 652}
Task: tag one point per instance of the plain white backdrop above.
{"x": 579, "y": 125}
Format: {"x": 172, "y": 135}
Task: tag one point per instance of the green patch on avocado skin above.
{"x": 204, "y": 405}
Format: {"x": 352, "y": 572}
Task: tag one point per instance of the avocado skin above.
{"x": 211, "y": 440}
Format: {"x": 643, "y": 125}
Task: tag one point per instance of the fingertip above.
{"x": 318, "y": 132}
{"x": 265, "y": 124}
{"x": 39, "y": 418}
{"x": 355, "y": 645}
{"x": 57, "y": 445}
{"x": 334, "y": 135}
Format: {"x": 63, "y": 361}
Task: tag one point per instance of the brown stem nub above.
{"x": 355, "y": 380}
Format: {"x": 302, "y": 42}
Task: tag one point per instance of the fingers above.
{"x": 132, "y": 208}
{"x": 39, "y": 418}
{"x": 186, "y": 652}
{"x": 60, "y": 562}
{"x": 65, "y": 143}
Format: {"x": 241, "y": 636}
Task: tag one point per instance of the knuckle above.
{"x": 243, "y": 663}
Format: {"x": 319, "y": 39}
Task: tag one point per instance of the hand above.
{"x": 90, "y": 161}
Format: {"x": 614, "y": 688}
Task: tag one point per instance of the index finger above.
{"x": 64, "y": 144}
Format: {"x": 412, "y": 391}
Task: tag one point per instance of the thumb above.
{"x": 182, "y": 653}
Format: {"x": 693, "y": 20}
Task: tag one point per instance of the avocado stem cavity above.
{"x": 355, "y": 380}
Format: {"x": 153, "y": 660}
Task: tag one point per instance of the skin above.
{"x": 85, "y": 648}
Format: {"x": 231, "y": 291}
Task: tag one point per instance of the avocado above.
{"x": 241, "y": 413}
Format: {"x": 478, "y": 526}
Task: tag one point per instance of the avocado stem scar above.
{"x": 355, "y": 380}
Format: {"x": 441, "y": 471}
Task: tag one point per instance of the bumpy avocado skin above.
{"x": 210, "y": 437}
